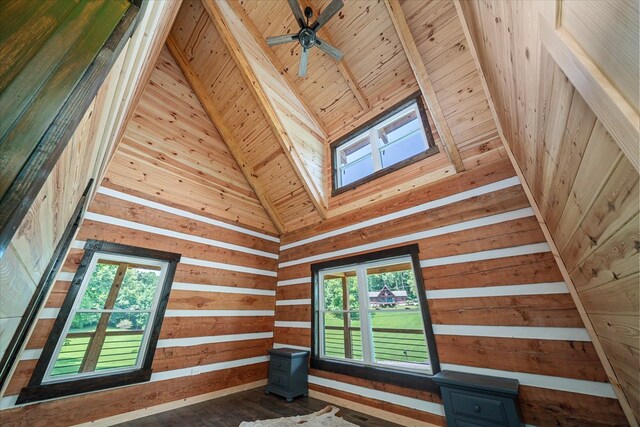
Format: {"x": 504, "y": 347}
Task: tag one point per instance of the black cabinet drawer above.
{"x": 481, "y": 408}
{"x": 280, "y": 364}
{"x": 279, "y": 379}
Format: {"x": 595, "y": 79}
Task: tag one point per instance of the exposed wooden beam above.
{"x": 251, "y": 27}
{"x": 220, "y": 21}
{"x": 624, "y": 403}
{"x": 422, "y": 77}
{"x": 344, "y": 69}
{"x": 226, "y": 133}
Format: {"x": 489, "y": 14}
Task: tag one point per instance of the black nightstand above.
{"x": 478, "y": 400}
{"x": 288, "y": 373}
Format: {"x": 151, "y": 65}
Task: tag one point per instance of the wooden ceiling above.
{"x": 279, "y": 126}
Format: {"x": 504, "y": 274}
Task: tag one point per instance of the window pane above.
{"x": 342, "y": 336}
{"x": 409, "y": 146}
{"x": 356, "y": 171}
{"x": 122, "y": 341}
{"x": 99, "y": 341}
{"x": 138, "y": 288}
{"x": 75, "y": 344}
{"x": 354, "y": 151}
{"x": 97, "y": 290}
{"x": 396, "y": 318}
{"x": 340, "y": 291}
{"x": 401, "y": 139}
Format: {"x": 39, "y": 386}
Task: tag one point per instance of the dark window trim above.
{"x": 19, "y": 197}
{"x": 412, "y": 380}
{"x": 430, "y": 151}
{"x": 38, "y": 298}
{"x": 36, "y": 391}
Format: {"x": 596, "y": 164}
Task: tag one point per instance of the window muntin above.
{"x": 108, "y": 327}
{"x": 371, "y": 313}
{"x": 399, "y": 137}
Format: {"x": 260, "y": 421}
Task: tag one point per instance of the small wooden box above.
{"x": 288, "y": 373}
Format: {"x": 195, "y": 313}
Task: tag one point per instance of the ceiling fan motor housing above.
{"x": 307, "y": 38}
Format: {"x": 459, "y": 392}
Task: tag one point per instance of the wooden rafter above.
{"x": 422, "y": 77}
{"x": 240, "y": 59}
{"x": 344, "y": 69}
{"x": 226, "y": 133}
{"x": 251, "y": 27}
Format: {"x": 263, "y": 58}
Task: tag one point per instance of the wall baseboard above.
{"x": 128, "y": 416}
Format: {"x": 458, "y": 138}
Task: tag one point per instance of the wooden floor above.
{"x": 248, "y": 405}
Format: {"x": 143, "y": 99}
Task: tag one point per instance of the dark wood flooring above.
{"x": 250, "y": 405}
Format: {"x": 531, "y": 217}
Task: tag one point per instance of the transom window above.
{"x": 108, "y": 326}
{"x": 371, "y": 311}
{"x": 389, "y": 142}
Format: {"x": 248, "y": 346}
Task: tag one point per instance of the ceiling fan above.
{"x": 307, "y": 35}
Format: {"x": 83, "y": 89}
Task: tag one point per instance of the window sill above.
{"x": 84, "y": 385}
{"x": 411, "y": 380}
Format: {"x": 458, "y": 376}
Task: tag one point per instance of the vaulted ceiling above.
{"x": 279, "y": 126}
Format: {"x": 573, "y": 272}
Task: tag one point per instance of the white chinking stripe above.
{"x": 297, "y": 281}
{"x": 49, "y": 313}
{"x": 218, "y": 313}
{"x": 31, "y": 354}
{"x": 187, "y": 342}
{"x": 534, "y": 248}
{"x": 78, "y": 244}
{"x": 229, "y": 267}
{"x": 65, "y": 276}
{"x": 466, "y": 225}
{"x": 221, "y": 289}
{"x": 526, "y": 332}
{"x": 571, "y": 385}
{"x": 489, "y": 188}
{"x": 305, "y": 301}
{"x": 297, "y": 347}
{"x": 202, "y": 263}
{"x": 175, "y": 234}
{"x": 496, "y": 291}
{"x": 183, "y": 213}
{"x": 8, "y": 402}
{"x": 197, "y": 370}
{"x": 283, "y": 324}
{"x": 407, "y": 402}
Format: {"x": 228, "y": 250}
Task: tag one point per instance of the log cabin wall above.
{"x": 497, "y": 299}
{"x": 564, "y": 81}
{"x": 173, "y": 186}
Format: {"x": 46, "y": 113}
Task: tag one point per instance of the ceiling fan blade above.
{"x": 327, "y": 13}
{"x": 274, "y": 41}
{"x": 297, "y": 12}
{"x": 304, "y": 59}
{"x": 332, "y": 51}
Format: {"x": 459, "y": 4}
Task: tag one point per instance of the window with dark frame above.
{"x": 371, "y": 319}
{"x": 106, "y": 332}
{"x": 391, "y": 141}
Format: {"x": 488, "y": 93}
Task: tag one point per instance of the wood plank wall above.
{"x": 585, "y": 186}
{"x": 497, "y": 299}
{"x": 30, "y": 250}
{"x": 173, "y": 186}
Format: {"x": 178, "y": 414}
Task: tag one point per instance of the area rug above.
{"x": 324, "y": 418}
